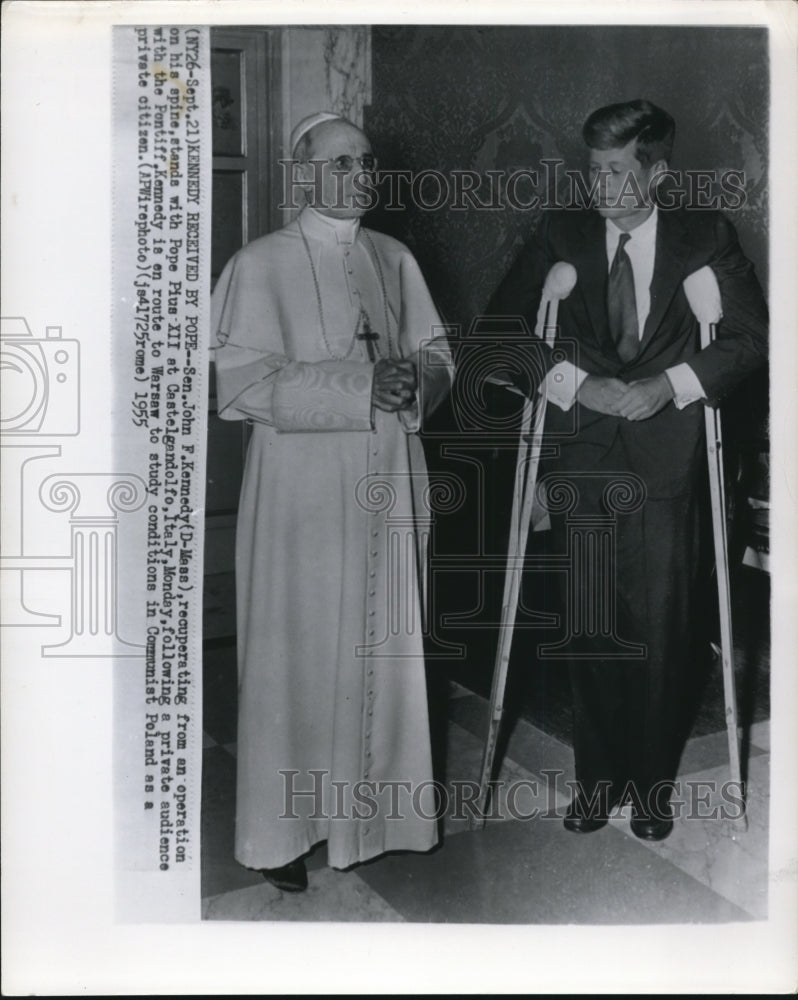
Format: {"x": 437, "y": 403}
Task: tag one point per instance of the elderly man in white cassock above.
{"x": 325, "y": 342}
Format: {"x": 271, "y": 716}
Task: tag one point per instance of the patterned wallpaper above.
{"x": 502, "y": 98}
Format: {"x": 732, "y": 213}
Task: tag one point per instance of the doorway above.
{"x": 245, "y": 81}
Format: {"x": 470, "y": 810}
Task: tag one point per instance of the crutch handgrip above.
{"x": 560, "y": 280}
{"x": 703, "y": 294}
{"x": 558, "y": 285}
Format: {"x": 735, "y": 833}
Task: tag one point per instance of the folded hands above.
{"x": 394, "y": 386}
{"x": 631, "y": 400}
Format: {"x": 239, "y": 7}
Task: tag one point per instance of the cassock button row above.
{"x": 374, "y": 552}
{"x": 372, "y": 593}
{"x": 372, "y": 612}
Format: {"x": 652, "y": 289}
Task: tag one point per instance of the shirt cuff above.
{"x": 562, "y": 384}
{"x": 686, "y": 387}
{"x": 410, "y": 419}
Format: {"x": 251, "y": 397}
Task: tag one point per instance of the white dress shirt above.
{"x": 564, "y": 379}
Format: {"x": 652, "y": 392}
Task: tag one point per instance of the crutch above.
{"x": 558, "y": 285}
{"x": 703, "y": 294}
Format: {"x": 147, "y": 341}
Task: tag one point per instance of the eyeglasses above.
{"x": 346, "y": 162}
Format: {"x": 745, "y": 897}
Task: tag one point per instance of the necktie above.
{"x": 621, "y": 305}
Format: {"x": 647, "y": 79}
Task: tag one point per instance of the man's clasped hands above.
{"x": 632, "y": 400}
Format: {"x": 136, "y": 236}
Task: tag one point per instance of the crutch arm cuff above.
{"x": 562, "y": 383}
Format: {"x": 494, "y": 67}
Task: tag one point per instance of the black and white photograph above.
{"x": 618, "y": 677}
{"x": 398, "y": 509}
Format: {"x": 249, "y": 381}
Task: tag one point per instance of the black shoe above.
{"x": 584, "y": 817}
{"x": 658, "y": 827}
{"x": 292, "y": 877}
{"x": 583, "y": 824}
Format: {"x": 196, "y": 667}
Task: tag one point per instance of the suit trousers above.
{"x": 628, "y": 711}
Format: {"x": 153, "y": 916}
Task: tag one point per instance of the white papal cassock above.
{"x": 331, "y": 535}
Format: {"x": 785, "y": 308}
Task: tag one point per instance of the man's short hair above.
{"x": 616, "y": 125}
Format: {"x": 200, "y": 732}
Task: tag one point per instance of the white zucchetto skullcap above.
{"x": 303, "y": 127}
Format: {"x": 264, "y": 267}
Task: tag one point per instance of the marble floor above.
{"x": 516, "y": 870}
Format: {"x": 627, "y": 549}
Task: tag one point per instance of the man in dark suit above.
{"x": 628, "y": 404}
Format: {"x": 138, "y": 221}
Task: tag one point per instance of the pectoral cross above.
{"x": 368, "y": 335}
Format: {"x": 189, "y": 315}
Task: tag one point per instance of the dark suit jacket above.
{"x": 665, "y": 449}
